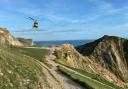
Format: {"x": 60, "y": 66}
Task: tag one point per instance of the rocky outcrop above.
{"x": 112, "y": 53}
{"x": 69, "y": 56}
{"x": 26, "y": 42}
{"x": 7, "y": 39}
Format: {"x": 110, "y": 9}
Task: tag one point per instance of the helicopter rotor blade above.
{"x": 28, "y": 30}
{"x": 30, "y": 18}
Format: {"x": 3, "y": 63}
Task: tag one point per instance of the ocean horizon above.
{"x": 60, "y": 42}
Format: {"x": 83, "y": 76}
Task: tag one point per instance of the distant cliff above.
{"x": 6, "y": 38}
{"x": 26, "y": 42}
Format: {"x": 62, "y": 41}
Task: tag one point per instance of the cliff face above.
{"x": 7, "y": 39}
{"x": 26, "y": 42}
{"x": 111, "y": 52}
{"x": 106, "y": 56}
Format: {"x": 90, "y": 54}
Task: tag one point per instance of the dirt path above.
{"x": 54, "y": 78}
{"x": 62, "y": 80}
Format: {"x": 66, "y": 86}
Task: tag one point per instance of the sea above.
{"x": 60, "y": 42}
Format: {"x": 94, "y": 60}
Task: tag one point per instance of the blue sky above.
{"x": 65, "y": 19}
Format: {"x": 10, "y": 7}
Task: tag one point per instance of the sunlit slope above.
{"x": 7, "y": 39}
{"x": 19, "y": 71}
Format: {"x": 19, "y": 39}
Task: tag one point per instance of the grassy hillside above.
{"x": 18, "y": 71}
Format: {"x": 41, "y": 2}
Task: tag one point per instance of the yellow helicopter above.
{"x": 35, "y": 24}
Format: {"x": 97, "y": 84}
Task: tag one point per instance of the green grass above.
{"x": 96, "y": 77}
{"x": 18, "y": 71}
{"x": 86, "y": 82}
{"x": 91, "y": 75}
{"x": 36, "y": 53}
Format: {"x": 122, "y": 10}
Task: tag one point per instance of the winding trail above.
{"x": 54, "y": 78}
{"x": 62, "y": 82}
